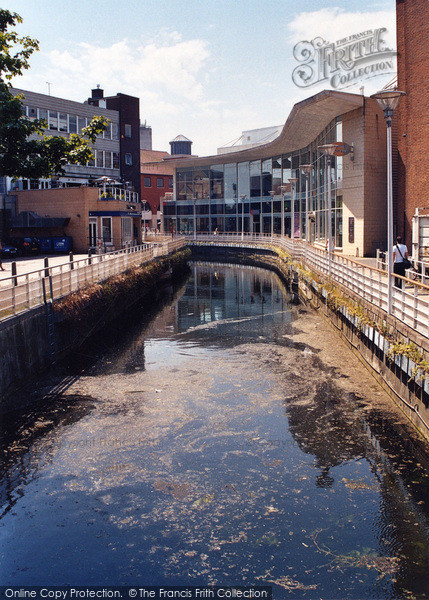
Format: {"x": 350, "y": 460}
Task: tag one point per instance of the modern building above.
{"x": 412, "y": 114}
{"x": 117, "y": 152}
{"x": 252, "y": 138}
{"x": 246, "y": 190}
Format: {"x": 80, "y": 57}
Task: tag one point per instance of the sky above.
{"x": 206, "y": 69}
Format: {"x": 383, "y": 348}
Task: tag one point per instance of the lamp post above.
{"x": 194, "y": 199}
{"x": 272, "y": 194}
{"x": 242, "y": 197}
{"x": 307, "y": 170}
{"x": 292, "y": 181}
{"x": 328, "y": 151}
{"x": 283, "y": 191}
{"x": 388, "y": 101}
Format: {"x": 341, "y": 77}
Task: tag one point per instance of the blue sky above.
{"x": 207, "y": 69}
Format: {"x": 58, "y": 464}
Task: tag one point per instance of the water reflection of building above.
{"x": 331, "y": 428}
{"x": 217, "y": 293}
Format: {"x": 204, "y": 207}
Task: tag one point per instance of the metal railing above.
{"x": 21, "y": 292}
{"x": 410, "y": 304}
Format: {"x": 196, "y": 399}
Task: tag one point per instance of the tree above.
{"x": 24, "y": 149}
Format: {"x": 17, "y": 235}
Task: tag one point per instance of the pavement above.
{"x": 29, "y": 264}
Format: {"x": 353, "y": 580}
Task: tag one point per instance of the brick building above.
{"x": 412, "y": 115}
{"x": 156, "y": 180}
{"x": 92, "y": 217}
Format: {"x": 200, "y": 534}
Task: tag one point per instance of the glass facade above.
{"x": 248, "y": 196}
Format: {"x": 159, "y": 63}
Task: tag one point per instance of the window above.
{"x": 43, "y": 114}
{"x": 106, "y": 229}
{"x": 128, "y": 159}
{"x": 32, "y": 112}
{"x": 62, "y": 122}
{"x": 108, "y": 160}
{"x": 170, "y": 183}
{"x": 147, "y": 182}
{"x": 82, "y": 123}
{"x": 100, "y": 158}
{"x": 53, "y": 120}
{"x": 108, "y": 133}
{"x": 115, "y": 160}
{"x": 72, "y": 123}
{"x": 160, "y": 182}
{"x": 128, "y": 133}
{"x": 115, "y": 131}
{"x": 126, "y": 229}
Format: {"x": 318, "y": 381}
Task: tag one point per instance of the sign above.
{"x": 345, "y": 62}
{"x": 342, "y": 148}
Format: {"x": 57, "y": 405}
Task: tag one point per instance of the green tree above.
{"x": 24, "y": 149}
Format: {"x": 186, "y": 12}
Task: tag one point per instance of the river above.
{"x": 228, "y": 438}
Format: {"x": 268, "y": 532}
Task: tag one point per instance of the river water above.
{"x": 229, "y": 439}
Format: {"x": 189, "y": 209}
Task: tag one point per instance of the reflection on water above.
{"x": 230, "y": 439}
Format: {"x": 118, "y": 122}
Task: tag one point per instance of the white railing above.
{"x": 19, "y": 293}
{"x": 113, "y": 193}
{"x": 410, "y": 305}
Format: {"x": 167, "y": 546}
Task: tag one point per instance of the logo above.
{"x": 345, "y": 62}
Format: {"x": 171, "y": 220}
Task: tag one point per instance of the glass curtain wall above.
{"x": 248, "y": 196}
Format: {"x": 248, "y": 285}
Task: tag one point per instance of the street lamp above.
{"x": 194, "y": 199}
{"x": 272, "y": 194}
{"x": 242, "y": 197}
{"x": 388, "y": 101}
{"x": 328, "y": 151}
{"x": 307, "y": 170}
{"x": 293, "y": 182}
{"x": 283, "y": 191}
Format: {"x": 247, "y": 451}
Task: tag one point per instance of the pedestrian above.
{"x": 216, "y": 231}
{"x": 400, "y": 255}
{"x": 172, "y": 232}
{"x": 1, "y": 264}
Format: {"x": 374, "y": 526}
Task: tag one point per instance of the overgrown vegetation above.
{"x": 90, "y": 301}
{"x": 339, "y": 302}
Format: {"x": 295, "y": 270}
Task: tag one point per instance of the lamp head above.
{"x": 388, "y": 100}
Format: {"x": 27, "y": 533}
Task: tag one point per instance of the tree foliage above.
{"x": 24, "y": 149}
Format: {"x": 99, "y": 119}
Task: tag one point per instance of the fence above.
{"x": 410, "y": 305}
{"x": 22, "y": 292}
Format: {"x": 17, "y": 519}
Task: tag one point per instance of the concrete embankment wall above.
{"x": 366, "y": 329}
{"x": 32, "y": 341}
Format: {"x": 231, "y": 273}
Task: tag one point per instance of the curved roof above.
{"x": 306, "y": 120}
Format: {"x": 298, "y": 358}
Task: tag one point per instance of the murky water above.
{"x": 232, "y": 439}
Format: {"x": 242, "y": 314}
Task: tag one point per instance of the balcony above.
{"x": 116, "y": 193}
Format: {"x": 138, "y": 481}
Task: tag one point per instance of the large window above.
{"x": 147, "y": 182}
{"x": 159, "y": 182}
{"x": 255, "y": 179}
{"x": 128, "y": 130}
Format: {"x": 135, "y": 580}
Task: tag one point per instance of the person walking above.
{"x": 400, "y": 255}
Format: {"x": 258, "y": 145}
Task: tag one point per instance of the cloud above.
{"x": 336, "y": 23}
{"x": 173, "y": 68}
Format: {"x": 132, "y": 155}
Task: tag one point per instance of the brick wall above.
{"x": 412, "y": 20}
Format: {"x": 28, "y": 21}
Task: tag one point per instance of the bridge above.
{"x": 410, "y": 305}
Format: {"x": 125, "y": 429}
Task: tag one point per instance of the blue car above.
{"x": 8, "y": 251}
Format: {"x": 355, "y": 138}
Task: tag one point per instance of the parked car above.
{"x": 27, "y": 245}
{"x": 8, "y": 251}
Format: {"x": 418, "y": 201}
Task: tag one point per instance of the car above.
{"x": 8, "y": 251}
{"x": 27, "y": 245}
